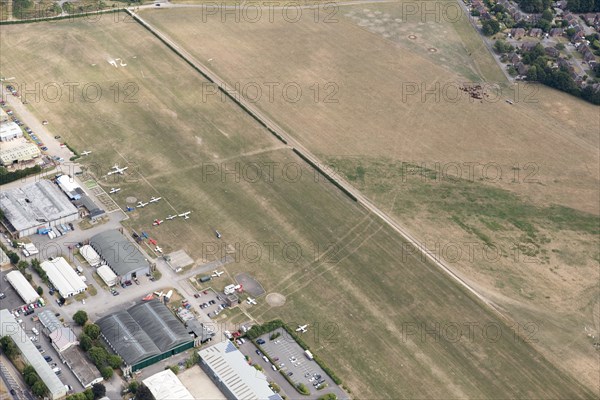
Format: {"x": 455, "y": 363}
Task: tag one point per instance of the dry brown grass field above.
{"x": 540, "y": 215}
{"x": 372, "y": 304}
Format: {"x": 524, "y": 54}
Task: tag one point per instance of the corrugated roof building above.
{"x": 22, "y": 286}
{"x": 20, "y": 153}
{"x": 31, "y": 355}
{"x": 34, "y": 205}
{"x": 69, "y": 187}
{"x": 144, "y": 334}
{"x": 107, "y": 275}
{"x": 165, "y": 385}
{"x": 9, "y": 130}
{"x": 90, "y": 255}
{"x": 230, "y": 371}
{"x": 63, "y": 277}
{"x": 120, "y": 254}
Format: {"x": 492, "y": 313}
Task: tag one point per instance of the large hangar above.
{"x": 144, "y": 334}
{"x": 35, "y": 205}
{"x": 120, "y": 254}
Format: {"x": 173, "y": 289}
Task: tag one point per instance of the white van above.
{"x": 79, "y": 269}
{"x": 35, "y": 331}
{"x": 274, "y": 367}
{"x": 265, "y": 358}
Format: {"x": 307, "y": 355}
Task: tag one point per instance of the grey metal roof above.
{"x": 127, "y": 338}
{"x": 120, "y": 254}
{"x": 160, "y": 324}
{"x": 49, "y": 320}
{"x": 32, "y": 356}
{"x": 90, "y": 205}
{"x": 144, "y": 330}
{"x": 34, "y": 204}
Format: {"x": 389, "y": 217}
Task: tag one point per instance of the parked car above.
{"x": 2, "y": 295}
{"x": 290, "y": 373}
{"x": 260, "y": 341}
{"x": 258, "y": 352}
{"x": 44, "y": 148}
{"x": 48, "y": 358}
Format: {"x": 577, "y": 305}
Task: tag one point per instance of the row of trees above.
{"x": 97, "y": 391}
{"x": 31, "y": 378}
{"x": 534, "y": 6}
{"x": 558, "y": 78}
{"x": 583, "y": 6}
{"x": 7, "y": 177}
{"x": 140, "y": 392}
{"x": 89, "y": 341}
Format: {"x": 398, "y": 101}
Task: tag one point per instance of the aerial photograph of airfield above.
{"x": 321, "y": 200}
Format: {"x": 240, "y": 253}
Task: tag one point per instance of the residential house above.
{"x": 536, "y": 32}
{"x": 517, "y": 33}
{"x": 528, "y": 46}
{"x": 513, "y": 58}
{"x": 552, "y": 52}
{"x": 521, "y": 68}
{"x": 588, "y": 55}
{"x": 554, "y": 32}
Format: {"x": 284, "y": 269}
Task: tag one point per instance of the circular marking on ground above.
{"x": 275, "y": 299}
{"x": 131, "y": 200}
{"x": 412, "y": 37}
{"x": 432, "y": 50}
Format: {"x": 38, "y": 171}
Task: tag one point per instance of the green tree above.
{"x": 175, "y": 369}
{"x": 13, "y": 257}
{"x": 114, "y": 361}
{"x": 133, "y": 386}
{"x": 328, "y": 396}
{"x": 40, "y": 290}
{"x": 490, "y": 27}
{"x": 22, "y": 265}
{"x": 106, "y": 372}
{"x": 92, "y": 330}
{"x": 39, "y": 389}
{"x": 9, "y": 347}
{"x": 80, "y": 317}
{"x": 98, "y": 390}
{"x": 143, "y": 393}
{"x": 98, "y": 355}
{"x": 85, "y": 342}
{"x": 548, "y": 15}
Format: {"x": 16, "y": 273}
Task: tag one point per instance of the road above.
{"x": 297, "y": 146}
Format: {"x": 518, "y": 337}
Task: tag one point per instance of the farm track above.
{"x": 304, "y": 153}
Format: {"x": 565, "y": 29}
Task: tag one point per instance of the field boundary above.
{"x": 307, "y": 156}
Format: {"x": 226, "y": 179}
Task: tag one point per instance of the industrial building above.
{"x": 107, "y": 275}
{"x": 230, "y": 371}
{"x": 31, "y": 355}
{"x": 63, "y": 277}
{"x": 144, "y": 335}
{"x": 90, "y": 255}
{"x": 69, "y": 187}
{"x": 65, "y": 342}
{"x": 20, "y": 153}
{"x": 120, "y": 254}
{"x": 165, "y": 385}
{"x": 93, "y": 210}
{"x": 9, "y": 131}
{"x": 22, "y": 286}
{"x": 35, "y": 205}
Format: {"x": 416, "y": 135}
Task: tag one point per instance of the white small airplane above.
{"x": 141, "y": 204}
{"x": 302, "y": 328}
{"x": 158, "y": 249}
{"x": 85, "y": 153}
{"x": 114, "y": 190}
{"x": 155, "y": 199}
{"x": 185, "y": 214}
{"x": 250, "y": 301}
{"x": 217, "y": 274}
{"x": 117, "y": 170}
{"x": 157, "y": 222}
{"x": 218, "y": 234}
{"x": 170, "y": 217}
{"x": 159, "y": 294}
